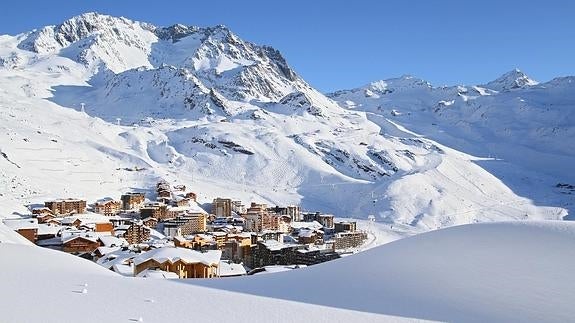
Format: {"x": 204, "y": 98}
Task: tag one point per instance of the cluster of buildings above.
{"x": 172, "y": 237}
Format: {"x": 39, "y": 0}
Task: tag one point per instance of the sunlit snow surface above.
{"x": 244, "y": 125}
{"x": 201, "y": 107}
{"x": 518, "y": 271}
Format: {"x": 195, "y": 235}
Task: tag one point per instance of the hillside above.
{"x": 226, "y": 117}
{"x": 70, "y": 287}
{"x": 517, "y": 271}
{"x": 518, "y": 129}
{"x": 489, "y": 272}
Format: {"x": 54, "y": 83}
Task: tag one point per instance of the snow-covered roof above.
{"x": 180, "y": 209}
{"x": 123, "y": 269}
{"x": 110, "y": 241}
{"x": 242, "y": 234}
{"x": 41, "y": 208}
{"x": 45, "y": 215}
{"x": 19, "y": 224}
{"x": 158, "y": 243}
{"x": 105, "y": 201}
{"x": 107, "y": 250}
{"x": 179, "y": 198}
{"x": 195, "y": 208}
{"x": 86, "y": 237}
{"x": 65, "y": 200}
{"x": 156, "y": 235}
{"x": 86, "y": 218}
{"x": 180, "y": 238}
{"x": 56, "y": 241}
{"x": 118, "y": 257}
{"x": 206, "y": 237}
{"x": 209, "y": 258}
{"x": 226, "y": 269}
{"x": 158, "y": 274}
{"x": 274, "y": 245}
{"x": 153, "y": 204}
{"x": 48, "y": 229}
{"x": 305, "y": 233}
{"x": 119, "y": 233}
{"x": 306, "y": 225}
{"x": 278, "y": 268}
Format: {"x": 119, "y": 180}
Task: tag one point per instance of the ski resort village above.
{"x": 173, "y": 237}
{"x": 152, "y": 171}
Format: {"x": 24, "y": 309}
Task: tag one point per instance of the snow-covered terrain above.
{"x": 226, "y": 117}
{"x": 98, "y": 105}
{"x": 519, "y": 130}
{"x": 489, "y": 272}
{"x": 515, "y": 271}
{"x": 72, "y": 289}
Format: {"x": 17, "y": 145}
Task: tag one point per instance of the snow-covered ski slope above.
{"x": 226, "y": 117}
{"x": 521, "y": 131}
{"x": 492, "y": 272}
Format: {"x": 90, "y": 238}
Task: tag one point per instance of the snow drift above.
{"x": 492, "y": 272}
{"x": 506, "y": 272}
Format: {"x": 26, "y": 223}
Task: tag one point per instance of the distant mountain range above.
{"x": 227, "y": 117}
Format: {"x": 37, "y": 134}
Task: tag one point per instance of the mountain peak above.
{"x": 92, "y": 16}
{"x": 51, "y": 39}
{"x": 175, "y": 32}
{"x": 513, "y": 79}
{"x": 402, "y": 82}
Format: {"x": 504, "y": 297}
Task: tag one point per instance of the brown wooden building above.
{"x": 80, "y": 244}
{"x": 198, "y": 242}
{"x": 182, "y": 201}
{"x": 108, "y": 207}
{"x": 104, "y": 227}
{"x": 184, "y": 262}
{"x": 41, "y": 211}
{"x": 66, "y": 206}
{"x": 154, "y": 210}
{"x": 222, "y": 207}
{"x": 131, "y": 201}
{"x": 29, "y": 233}
{"x": 185, "y": 225}
{"x": 344, "y": 240}
{"x": 28, "y": 227}
{"x": 343, "y": 226}
{"x": 45, "y": 217}
{"x": 150, "y": 222}
{"x": 136, "y": 233}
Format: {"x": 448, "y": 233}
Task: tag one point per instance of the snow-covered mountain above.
{"x": 520, "y": 130}
{"x": 514, "y": 79}
{"x": 227, "y": 117}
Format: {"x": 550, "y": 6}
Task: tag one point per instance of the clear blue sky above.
{"x": 344, "y": 44}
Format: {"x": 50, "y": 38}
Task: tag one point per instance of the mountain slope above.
{"x": 226, "y": 117}
{"x": 521, "y": 134}
{"x": 489, "y": 272}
